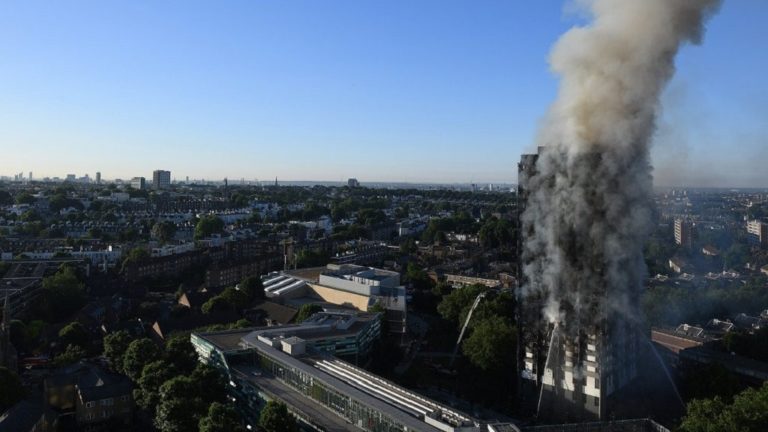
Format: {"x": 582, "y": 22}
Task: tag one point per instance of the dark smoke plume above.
{"x": 587, "y": 214}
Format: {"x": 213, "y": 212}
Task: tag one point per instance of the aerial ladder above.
{"x": 464, "y": 328}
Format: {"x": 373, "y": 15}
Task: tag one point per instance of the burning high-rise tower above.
{"x": 585, "y": 204}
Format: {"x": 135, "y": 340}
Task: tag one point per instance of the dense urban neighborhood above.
{"x": 128, "y": 303}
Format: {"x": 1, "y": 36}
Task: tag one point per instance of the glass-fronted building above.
{"x": 324, "y": 392}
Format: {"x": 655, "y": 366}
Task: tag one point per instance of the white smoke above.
{"x": 587, "y": 215}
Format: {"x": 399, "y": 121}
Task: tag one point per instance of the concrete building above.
{"x": 353, "y": 183}
{"x": 348, "y": 285}
{"x": 684, "y": 233}
{"x": 757, "y": 233}
{"x": 323, "y": 392}
{"x": 570, "y": 372}
{"x": 161, "y": 179}
{"x": 138, "y": 183}
{"x": 98, "y": 177}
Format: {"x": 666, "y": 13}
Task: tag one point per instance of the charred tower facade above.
{"x": 578, "y": 353}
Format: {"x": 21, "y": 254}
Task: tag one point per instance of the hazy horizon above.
{"x": 434, "y": 92}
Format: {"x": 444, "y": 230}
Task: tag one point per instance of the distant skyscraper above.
{"x": 71, "y": 177}
{"x": 138, "y": 183}
{"x": 757, "y": 232}
{"x": 30, "y": 176}
{"x": 98, "y": 177}
{"x": 684, "y": 233}
{"x": 276, "y": 182}
{"x": 161, "y": 179}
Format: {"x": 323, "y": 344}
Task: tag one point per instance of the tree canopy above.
{"x": 221, "y": 418}
{"x": 138, "y": 354}
{"x": 164, "y": 231}
{"x": 115, "y": 345}
{"x": 491, "y": 345}
{"x": 74, "y": 333}
{"x": 276, "y": 418}
{"x": 253, "y": 287}
{"x": 11, "y": 390}
{"x": 747, "y": 413}
{"x": 207, "y": 226}
{"x": 307, "y": 310}
{"x": 63, "y": 294}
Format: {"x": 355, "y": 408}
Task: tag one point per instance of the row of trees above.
{"x": 236, "y": 298}
{"x": 747, "y": 412}
{"x": 672, "y": 305}
{"x": 171, "y": 385}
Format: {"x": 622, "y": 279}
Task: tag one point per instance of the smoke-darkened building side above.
{"x": 571, "y": 366}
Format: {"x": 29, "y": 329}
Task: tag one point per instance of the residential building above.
{"x": 138, "y": 183}
{"x": 161, "y": 179}
{"x": 757, "y": 233}
{"x": 98, "y": 177}
{"x": 90, "y": 394}
{"x": 571, "y": 370}
{"x": 684, "y": 233}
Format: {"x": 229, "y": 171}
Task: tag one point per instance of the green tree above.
{"x": 147, "y": 393}
{"x": 221, "y": 418}
{"x": 455, "y": 305}
{"x": 139, "y": 353}
{"x": 164, "y": 231}
{"x": 135, "y": 255}
{"x": 180, "y": 352}
{"x": 491, "y": 345}
{"x": 30, "y": 216}
{"x": 276, "y": 418}
{"x": 215, "y": 304}
{"x": 5, "y": 198}
{"x": 115, "y": 346}
{"x": 25, "y": 198}
{"x": 736, "y": 256}
{"x": 236, "y": 298}
{"x": 709, "y": 381}
{"x": 183, "y": 399}
{"x": 180, "y": 406}
{"x": 63, "y": 294}
{"x": 11, "y": 390}
{"x": 307, "y": 310}
{"x": 72, "y": 354}
{"x": 210, "y": 383}
{"x": 207, "y": 226}
{"x": 253, "y": 287}
{"x": 418, "y": 277}
{"x": 747, "y": 413}
{"x": 20, "y": 335}
{"x": 74, "y": 333}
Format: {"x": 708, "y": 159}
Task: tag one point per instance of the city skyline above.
{"x": 430, "y": 93}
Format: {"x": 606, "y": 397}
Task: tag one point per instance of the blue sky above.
{"x": 438, "y": 91}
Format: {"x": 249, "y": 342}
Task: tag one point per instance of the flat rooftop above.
{"x": 398, "y": 403}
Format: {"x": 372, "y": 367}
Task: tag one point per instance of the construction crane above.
{"x": 464, "y": 328}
